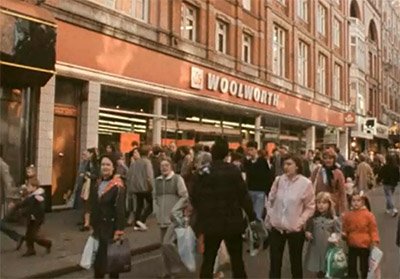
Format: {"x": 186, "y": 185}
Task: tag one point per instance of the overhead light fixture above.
{"x": 117, "y": 123}
{"x": 114, "y": 127}
{"x": 132, "y": 119}
{"x": 193, "y": 118}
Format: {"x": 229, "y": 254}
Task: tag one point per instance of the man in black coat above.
{"x": 220, "y": 199}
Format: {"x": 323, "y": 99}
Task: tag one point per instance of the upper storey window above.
{"x": 189, "y": 22}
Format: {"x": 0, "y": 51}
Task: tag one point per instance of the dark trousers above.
{"x": 354, "y": 254}
{"x": 141, "y": 213}
{"x": 9, "y": 232}
{"x": 277, "y": 242}
{"x": 32, "y": 235}
{"x": 234, "y": 245}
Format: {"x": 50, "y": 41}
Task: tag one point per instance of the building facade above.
{"x": 277, "y": 71}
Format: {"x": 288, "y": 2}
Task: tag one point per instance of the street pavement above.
{"x": 68, "y": 243}
{"x": 148, "y": 265}
{"x": 60, "y": 227}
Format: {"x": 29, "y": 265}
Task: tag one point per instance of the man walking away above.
{"x": 219, "y": 198}
{"x": 258, "y": 176}
{"x": 140, "y": 181}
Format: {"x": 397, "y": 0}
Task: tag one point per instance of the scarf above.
{"x": 329, "y": 175}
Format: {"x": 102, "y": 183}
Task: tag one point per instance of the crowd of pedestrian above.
{"x": 306, "y": 196}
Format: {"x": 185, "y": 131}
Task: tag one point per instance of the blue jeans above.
{"x": 389, "y": 191}
{"x": 258, "y": 198}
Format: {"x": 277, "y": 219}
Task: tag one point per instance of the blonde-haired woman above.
{"x": 318, "y": 229}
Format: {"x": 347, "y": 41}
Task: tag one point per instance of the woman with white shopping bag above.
{"x": 108, "y": 213}
{"x": 170, "y": 196}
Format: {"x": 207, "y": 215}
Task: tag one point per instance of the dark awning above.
{"x": 27, "y": 51}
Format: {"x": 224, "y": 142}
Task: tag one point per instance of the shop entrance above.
{"x": 65, "y": 138}
{"x": 64, "y": 156}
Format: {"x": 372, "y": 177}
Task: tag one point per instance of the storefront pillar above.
{"x": 90, "y": 109}
{"x": 45, "y": 132}
{"x": 257, "y": 132}
{"x": 157, "y": 120}
{"x": 310, "y": 138}
{"x": 344, "y": 143}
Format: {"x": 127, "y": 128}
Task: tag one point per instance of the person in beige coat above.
{"x": 329, "y": 178}
{"x": 364, "y": 174}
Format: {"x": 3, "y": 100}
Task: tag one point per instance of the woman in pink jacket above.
{"x": 290, "y": 204}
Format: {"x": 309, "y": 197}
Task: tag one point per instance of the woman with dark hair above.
{"x": 290, "y": 203}
{"x": 91, "y": 173}
{"x": 389, "y": 176}
{"x": 329, "y": 178}
{"x": 108, "y": 212}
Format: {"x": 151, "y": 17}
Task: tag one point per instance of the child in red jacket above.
{"x": 361, "y": 233}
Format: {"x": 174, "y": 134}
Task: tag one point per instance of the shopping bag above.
{"x": 172, "y": 259}
{"x": 336, "y": 262}
{"x": 85, "y": 189}
{"x": 186, "y": 247}
{"x": 375, "y": 258}
{"x": 89, "y": 252}
{"x": 119, "y": 256}
{"x": 223, "y": 255}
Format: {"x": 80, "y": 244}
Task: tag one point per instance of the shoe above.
{"x": 136, "y": 228}
{"x": 394, "y": 212}
{"x": 48, "y": 248}
{"x": 20, "y": 242}
{"x": 142, "y": 225}
{"x": 387, "y": 211}
{"x": 29, "y": 253}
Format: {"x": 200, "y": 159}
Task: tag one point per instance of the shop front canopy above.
{"x": 28, "y": 40}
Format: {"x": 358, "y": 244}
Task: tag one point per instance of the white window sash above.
{"x": 221, "y": 32}
{"x": 144, "y": 13}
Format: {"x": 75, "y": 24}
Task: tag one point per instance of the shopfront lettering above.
{"x": 240, "y": 90}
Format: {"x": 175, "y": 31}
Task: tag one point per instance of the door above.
{"x": 64, "y": 157}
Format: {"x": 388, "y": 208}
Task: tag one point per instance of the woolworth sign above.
{"x": 224, "y": 85}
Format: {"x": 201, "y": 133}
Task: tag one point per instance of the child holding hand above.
{"x": 318, "y": 229}
{"x": 361, "y": 233}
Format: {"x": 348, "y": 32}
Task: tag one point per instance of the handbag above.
{"x": 89, "y": 252}
{"x": 119, "y": 257}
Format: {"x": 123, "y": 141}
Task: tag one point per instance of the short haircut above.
{"x": 34, "y": 182}
{"x": 144, "y": 150}
{"x": 220, "y": 149}
{"x": 303, "y": 151}
{"x": 252, "y": 144}
{"x": 296, "y": 159}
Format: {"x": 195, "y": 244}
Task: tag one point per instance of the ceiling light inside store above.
{"x": 249, "y": 126}
{"x": 117, "y": 123}
{"x": 205, "y": 120}
{"x": 105, "y": 133}
{"x": 139, "y": 131}
{"x": 230, "y": 123}
{"x": 109, "y": 115}
{"x": 110, "y": 131}
{"x": 193, "y": 118}
{"x": 114, "y": 127}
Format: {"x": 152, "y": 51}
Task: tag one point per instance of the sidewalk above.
{"x": 68, "y": 243}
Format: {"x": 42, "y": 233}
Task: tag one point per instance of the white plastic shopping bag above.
{"x": 187, "y": 247}
{"x": 89, "y": 252}
{"x": 375, "y": 258}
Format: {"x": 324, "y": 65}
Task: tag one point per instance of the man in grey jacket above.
{"x": 140, "y": 182}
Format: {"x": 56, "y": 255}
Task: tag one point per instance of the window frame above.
{"x": 336, "y": 81}
{"x": 145, "y": 10}
{"x": 302, "y": 9}
{"x": 336, "y": 40}
{"x": 321, "y": 74}
{"x": 279, "y": 51}
{"x": 302, "y": 63}
{"x": 224, "y": 33}
{"x": 247, "y": 44}
{"x": 185, "y": 16}
{"x": 321, "y": 19}
{"x": 246, "y": 5}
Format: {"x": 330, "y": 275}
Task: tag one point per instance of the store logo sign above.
{"x": 232, "y": 87}
{"x": 349, "y": 119}
{"x": 196, "y": 78}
